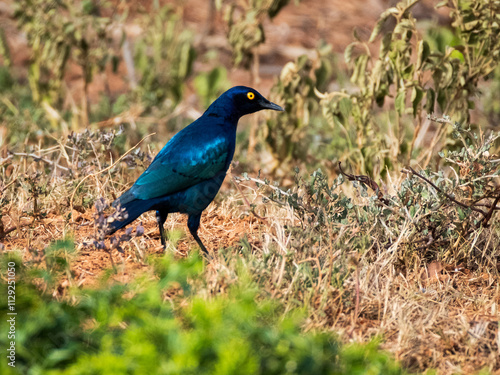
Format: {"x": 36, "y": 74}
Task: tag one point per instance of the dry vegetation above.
{"x": 429, "y": 313}
{"x": 409, "y": 256}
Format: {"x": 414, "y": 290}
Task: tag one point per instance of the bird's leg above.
{"x": 161, "y": 217}
{"x": 193, "y": 225}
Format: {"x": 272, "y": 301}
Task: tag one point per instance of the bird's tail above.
{"x": 133, "y": 207}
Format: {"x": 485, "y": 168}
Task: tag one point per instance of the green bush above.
{"x": 164, "y": 57}
{"x": 59, "y": 32}
{"x": 245, "y": 29}
{"x": 292, "y": 134}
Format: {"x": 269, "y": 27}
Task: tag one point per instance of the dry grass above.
{"x": 430, "y": 315}
{"x": 447, "y": 321}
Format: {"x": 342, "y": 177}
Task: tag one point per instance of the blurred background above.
{"x": 154, "y": 66}
{"x": 376, "y": 85}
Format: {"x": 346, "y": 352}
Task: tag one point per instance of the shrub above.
{"x": 446, "y": 215}
{"x": 375, "y": 124}
{"x": 59, "y": 32}
{"x": 164, "y": 58}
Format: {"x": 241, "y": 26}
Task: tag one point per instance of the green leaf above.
{"x": 4, "y": 49}
{"x": 359, "y": 70}
{"x": 448, "y": 74}
{"x": 345, "y": 106}
{"x": 461, "y": 214}
{"x": 404, "y": 25}
{"x": 422, "y": 54}
{"x": 431, "y": 97}
{"x": 380, "y": 23}
{"x": 441, "y": 99}
{"x": 416, "y": 97}
{"x": 385, "y": 46}
{"x": 400, "y": 102}
{"x": 348, "y": 52}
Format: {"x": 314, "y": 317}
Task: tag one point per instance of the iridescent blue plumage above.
{"x": 187, "y": 173}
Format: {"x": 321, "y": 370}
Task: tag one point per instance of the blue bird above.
{"x": 187, "y": 173}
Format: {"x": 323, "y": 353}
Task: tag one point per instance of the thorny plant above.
{"x": 34, "y": 188}
{"x": 445, "y": 215}
{"x": 26, "y": 192}
{"x": 89, "y": 149}
{"x": 101, "y": 224}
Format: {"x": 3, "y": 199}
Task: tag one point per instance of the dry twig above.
{"x": 104, "y": 170}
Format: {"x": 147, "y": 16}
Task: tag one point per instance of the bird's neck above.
{"x": 225, "y": 111}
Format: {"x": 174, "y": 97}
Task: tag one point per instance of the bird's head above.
{"x": 242, "y": 100}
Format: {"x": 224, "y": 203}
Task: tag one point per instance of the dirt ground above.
{"x": 219, "y": 228}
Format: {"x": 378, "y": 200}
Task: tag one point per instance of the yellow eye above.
{"x": 250, "y": 95}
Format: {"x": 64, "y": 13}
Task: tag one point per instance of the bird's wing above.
{"x": 188, "y": 159}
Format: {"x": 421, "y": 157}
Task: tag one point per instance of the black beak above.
{"x": 266, "y": 104}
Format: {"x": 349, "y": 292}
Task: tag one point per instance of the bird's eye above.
{"x": 250, "y": 95}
